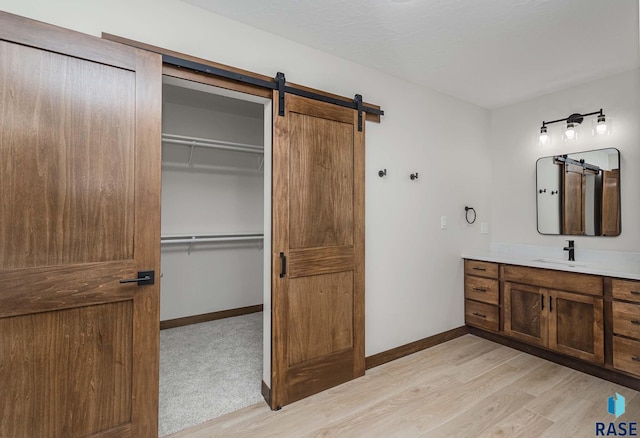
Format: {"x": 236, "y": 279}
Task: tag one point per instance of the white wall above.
{"x": 514, "y": 152}
{"x": 413, "y": 269}
{"x": 548, "y": 180}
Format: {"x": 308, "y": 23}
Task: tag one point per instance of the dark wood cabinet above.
{"x": 576, "y": 325}
{"x": 482, "y": 295}
{"x": 569, "y": 321}
{"x": 625, "y": 314}
{"x": 556, "y": 310}
{"x": 588, "y": 322}
{"x": 566, "y": 322}
{"x": 524, "y": 313}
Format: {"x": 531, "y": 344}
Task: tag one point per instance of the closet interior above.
{"x": 213, "y": 248}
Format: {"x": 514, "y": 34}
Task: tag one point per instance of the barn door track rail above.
{"x": 279, "y": 83}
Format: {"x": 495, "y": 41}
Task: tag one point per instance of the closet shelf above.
{"x": 202, "y": 238}
{"x": 212, "y": 144}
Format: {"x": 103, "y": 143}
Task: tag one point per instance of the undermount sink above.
{"x": 563, "y": 262}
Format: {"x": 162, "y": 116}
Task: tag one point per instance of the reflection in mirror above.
{"x": 579, "y": 193}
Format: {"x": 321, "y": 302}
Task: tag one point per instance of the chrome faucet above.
{"x": 572, "y": 251}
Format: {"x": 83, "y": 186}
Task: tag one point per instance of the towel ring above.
{"x": 466, "y": 214}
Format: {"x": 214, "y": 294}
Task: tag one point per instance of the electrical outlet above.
{"x": 443, "y": 222}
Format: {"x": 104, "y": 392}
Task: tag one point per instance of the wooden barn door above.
{"x": 573, "y": 188}
{"x": 79, "y": 211}
{"x": 318, "y": 249}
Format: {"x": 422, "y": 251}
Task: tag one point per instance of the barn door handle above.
{"x": 144, "y": 278}
{"x": 283, "y": 265}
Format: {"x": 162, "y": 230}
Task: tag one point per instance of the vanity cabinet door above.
{"x": 576, "y": 325}
{"x": 525, "y": 313}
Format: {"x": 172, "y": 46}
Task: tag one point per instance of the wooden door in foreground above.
{"x": 79, "y": 211}
{"x": 318, "y": 249}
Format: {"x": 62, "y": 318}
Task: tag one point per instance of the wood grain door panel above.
{"x": 321, "y": 176}
{"x": 576, "y": 326}
{"x": 318, "y": 225}
{"x": 611, "y": 202}
{"x": 573, "y": 188}
{"x": 321, "y": 311}
{"x": 525, "y": 313}
{"x": 79, "y": 211}
{"x": 67, "y": 157}
{"x": 79, "y": 358}
{"x": 315, "y": 261}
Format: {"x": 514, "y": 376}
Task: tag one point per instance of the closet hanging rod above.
{"x": 213, "y": 144}
{"x": 210, "y": 238}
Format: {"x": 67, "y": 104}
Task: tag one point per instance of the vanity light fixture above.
{"x": 601, "y": 126}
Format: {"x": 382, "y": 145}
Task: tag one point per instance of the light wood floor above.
{"x": 468, "y": 387}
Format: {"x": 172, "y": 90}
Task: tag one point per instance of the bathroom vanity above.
{"x": 583, "y": 311}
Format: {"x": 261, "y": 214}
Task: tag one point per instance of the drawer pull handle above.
{"x": 482, "y": 289}
{"x": 479, "y": 314}
{"x": 636, "y": 358}
{"x": 475, "y": 268}
{"x": 635, "y": 321}
{"x": 635, "y": 292}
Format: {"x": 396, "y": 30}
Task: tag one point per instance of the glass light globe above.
{"x": 570, "y": 133}
{"x": 544, "y": 136}
{"x": 601, "y": 126}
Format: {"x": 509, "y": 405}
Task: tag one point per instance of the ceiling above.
{"x": 491, "y": 53}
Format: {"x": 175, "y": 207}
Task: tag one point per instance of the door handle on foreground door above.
{"x": 144, "y": 278}
{"x": 283, "y": 263}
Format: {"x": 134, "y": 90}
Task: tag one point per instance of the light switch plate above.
{"x": 443, "y": 222}
{"x": 484, "y": 228}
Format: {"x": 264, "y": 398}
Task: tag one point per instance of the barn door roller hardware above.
{"x": 279, "y": 84}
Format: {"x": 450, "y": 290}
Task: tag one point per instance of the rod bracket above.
{"x": 280, "y": 81}
{"x": 357, "y": 100}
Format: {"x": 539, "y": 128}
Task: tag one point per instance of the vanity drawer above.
{"x": 481, "y": 289}
{"x": 626, "y": 355}
{"x": 481, "y": 269}
{"x": 559, "y": 280}
{"x": 626, "y": 290}
{"x": 626, "y": 319}
{"x": 481, "y": 315}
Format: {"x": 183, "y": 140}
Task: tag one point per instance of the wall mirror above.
{"x": 579, "y": 194}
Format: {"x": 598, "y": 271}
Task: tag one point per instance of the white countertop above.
{"x": 605, "y": 263}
